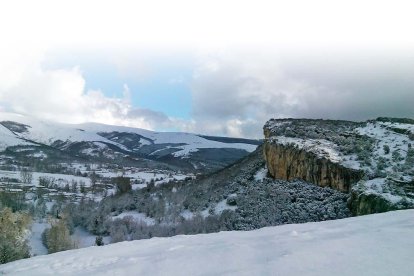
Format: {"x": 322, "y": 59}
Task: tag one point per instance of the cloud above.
{"x": 60, "y": 95}
{"x": 235, "y": 93}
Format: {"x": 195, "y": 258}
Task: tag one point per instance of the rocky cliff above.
{"x": 373, "y": 161}
{"x": 289, "y": 162}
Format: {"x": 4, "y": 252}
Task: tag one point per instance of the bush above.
{"x": 410, "y": 157}
{"x": 26, "y": 176}
{"x": 57, "y": 238}
{"x": 13, "y": 245}
{"x": 123, "y": 184}
{"x": 99, "y": 241}
{"x": 396, "y": 156}
{"x": 386, "y": 149}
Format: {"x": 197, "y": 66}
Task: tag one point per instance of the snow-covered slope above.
{"x": 190, "y": 142}
{"x": 379, "y": 244}
{"x": 98, "y": 140}
{"x": 7, "y": 139}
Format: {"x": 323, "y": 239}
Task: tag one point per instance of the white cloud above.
{"x": 234, "y": 92}
{"x": 60, "y": 95}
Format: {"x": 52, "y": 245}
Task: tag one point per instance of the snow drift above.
{"x": 380, "y": 244}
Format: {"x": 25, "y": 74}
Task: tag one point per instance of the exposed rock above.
{"x": 339, "y": 154}
{"x": 368, "y": 197}
{"x": 288, "y": 162}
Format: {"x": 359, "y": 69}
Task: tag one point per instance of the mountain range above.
{"x": 24, "y": 137}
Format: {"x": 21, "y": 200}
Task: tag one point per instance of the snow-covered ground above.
{"x": 8, "y": 139}
{"x": 84, "y": 239}
{"x": 380, "y": 244}
{"x": 138, "y": 217}
{"x": 81, "y": 237}
{"x": 319, "y": 147}
{"x": 35, "y": 240}
{"x": 261, "y": 174}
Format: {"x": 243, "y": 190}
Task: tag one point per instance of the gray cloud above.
{"x": 235, "y": 93}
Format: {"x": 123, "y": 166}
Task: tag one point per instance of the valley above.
{"x": 104, "y": 184}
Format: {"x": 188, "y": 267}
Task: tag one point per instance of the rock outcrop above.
{"x": 289, "y": 162}
{"x": 365, "y": 201}
{"x": 373, "y": 161}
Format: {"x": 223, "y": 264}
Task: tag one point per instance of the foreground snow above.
{"x": 379, "y": 244}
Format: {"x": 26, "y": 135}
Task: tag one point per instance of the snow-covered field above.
{"x": 380, "y": 244}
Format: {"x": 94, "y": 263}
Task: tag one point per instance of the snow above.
{"x": 217, "y": 209}
{"x": 40, "y": 155}
{"x": 138, "y": 217}
{"x": 378, "y": 244}
{"x": 145, "y": 176}
{"x": 35, "y": 240}
{"x": 222, "y": 205}
{"x": 187, "y": 214}
{"x": 260, "y": 174}
{"x": 394, "y": 140}
{"x": 378, "y": 186}
{"x": 85, "y": 239}
{"x": 192, "y": 142}
{"x": 8, "y": 139}
{"x": 319, "y": 147}
{"x": 48, "y": 132}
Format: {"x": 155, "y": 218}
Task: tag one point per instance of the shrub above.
{"x": 13, "y": 245}
{"x": 57, "y": 238}
{"x": 99, "y": 241}
{"x": 386, "y": 149}
{"x": 396, "y": 156}
{"x": 123, "y": 184}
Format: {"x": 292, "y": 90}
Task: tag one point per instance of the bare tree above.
{"x": 26, "y": 176}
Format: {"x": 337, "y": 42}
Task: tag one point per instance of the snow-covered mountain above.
{"x": 39, "y": 138}
{"x": 380, "y": 244}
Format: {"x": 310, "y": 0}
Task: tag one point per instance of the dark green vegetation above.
{"x": 230, "y": 199}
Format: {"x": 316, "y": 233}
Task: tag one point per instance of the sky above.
{"x": 210, "y": 67}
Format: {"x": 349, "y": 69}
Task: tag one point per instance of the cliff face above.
{"x": 288, "y": 162}
{"x": 339, "y": 154}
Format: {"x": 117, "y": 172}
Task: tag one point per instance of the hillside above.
{"x": 372, "y": 160}
{"x": 23, "y": 137}
{"x": 306, "y": 171}
{"x": 379, "y": 244}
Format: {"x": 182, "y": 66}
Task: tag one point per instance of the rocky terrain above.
{"x": 373, "y": 160}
